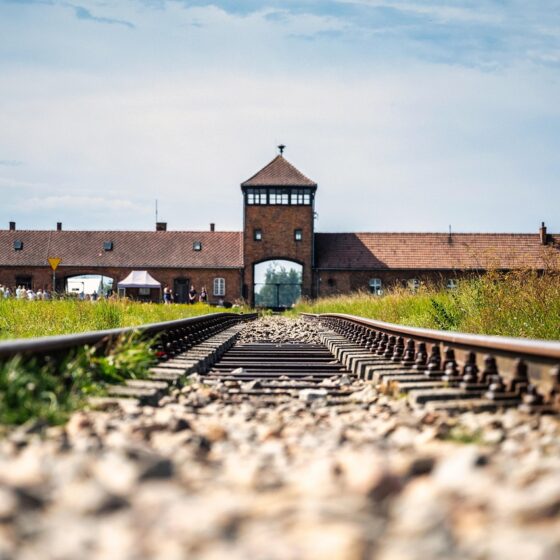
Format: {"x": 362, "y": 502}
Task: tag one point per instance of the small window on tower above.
{"x": 298, "y": 234}
{"x": 257, "y": 234}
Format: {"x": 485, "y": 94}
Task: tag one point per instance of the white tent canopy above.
{"x": 139, "y": 279}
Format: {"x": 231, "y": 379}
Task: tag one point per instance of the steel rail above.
{"x": 543, "y": 351}
{"x": 48, "y": 345}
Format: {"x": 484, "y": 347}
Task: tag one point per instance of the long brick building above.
{"x": 278, "y": 224}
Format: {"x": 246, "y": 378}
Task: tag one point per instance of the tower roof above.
{"x": 279, "y": 173}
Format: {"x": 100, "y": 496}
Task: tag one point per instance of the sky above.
{"x": 411, "y": 115}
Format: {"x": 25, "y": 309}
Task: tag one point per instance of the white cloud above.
{"x": 108, "y": 119}
{"x": 73, "y": 202}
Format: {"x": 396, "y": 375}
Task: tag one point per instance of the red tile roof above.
{"x": 435, "y": 251}
{"x": 131, "y": 249}
{"x": 279, "y": 173}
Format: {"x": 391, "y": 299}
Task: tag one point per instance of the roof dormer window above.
{"x": 18, "y": 245}
{"x": 107, "y": 245}
{"x": 197, "y": 246}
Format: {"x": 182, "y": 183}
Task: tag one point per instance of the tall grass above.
{"x": 24, "y": 319}
{"x": 50, "y": 391}
{"x": 519, "y": 303}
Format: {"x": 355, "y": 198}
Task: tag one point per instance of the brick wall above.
{"x": 41, "y": 277}
{"x": 332, "y": 282}
{"x": 277, "y": 224}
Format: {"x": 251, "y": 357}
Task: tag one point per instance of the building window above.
{"x": 279, "y": 196}
{"x": 197, "y": 246}
{"x": 256, "y": 196}
{"x": 451, "y": 284}
{"x": 414, "y": 284}
{"x": 107, "y": 245}
{"x": 24, "y": 282}
{"x": 331, "y": 282}
{"x": 298, "y": 234}
{"x": 18, "y": 245}
{"x": 219, "y": 287}
{"x": 257, "y": 234}
{"x": 300, "y": 197}
{"x": 375, "y": 285}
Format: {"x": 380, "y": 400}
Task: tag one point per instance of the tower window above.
{"x": 257, "y": 234}
{"x": 256, "y": 196}
{"x": 197, "y": 246}
{"x": 300, "y": 197}
{"x": 298, "y": 234}
{"x": 279, "y": 196}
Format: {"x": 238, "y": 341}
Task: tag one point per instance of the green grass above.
{"x": 24, "y": 319}
{"x": 49, "y": 392}
{"x": 521, "y": 303}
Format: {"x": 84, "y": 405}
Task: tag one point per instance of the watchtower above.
{"x": 278, "y": 212}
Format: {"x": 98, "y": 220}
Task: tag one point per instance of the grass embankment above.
{"x": 24, "y": 319}
{"x": 49, "y": 392}
{"x": 521, "y": 304}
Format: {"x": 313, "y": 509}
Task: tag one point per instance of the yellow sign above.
{"x": 54, "y": 262}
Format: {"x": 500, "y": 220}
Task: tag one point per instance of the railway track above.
{"x": 252, "y": 438}
{"x": 434, "y": 369}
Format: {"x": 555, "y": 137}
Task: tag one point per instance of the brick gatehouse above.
{"x": 278, "y": 224}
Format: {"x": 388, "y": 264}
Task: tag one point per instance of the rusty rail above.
{"x": 512, "y": 369}
{"x": 172, "y": 337}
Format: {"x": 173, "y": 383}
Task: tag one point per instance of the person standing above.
{"x": 203, "y": 298}
{"x": 167, "y": 295}
{"x": 192, "y": 295}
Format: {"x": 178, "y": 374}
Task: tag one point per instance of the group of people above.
{"x": 23, "y": 293}
{"x": 192, "y": 297}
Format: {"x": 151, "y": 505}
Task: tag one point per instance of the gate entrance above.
{"x": 277, "y": 283}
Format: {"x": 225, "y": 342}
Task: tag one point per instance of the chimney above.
{"x": 543, "y": 235}
{"x": 12, "y": 226}
{"x": 212, "y": 227}
{"x": 58, "y": 226}
{"x": 161, "y": 226}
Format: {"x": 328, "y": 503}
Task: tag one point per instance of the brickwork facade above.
{"x": 335, "y": 282}
{"x": 277, "y": 226}
{"x": 41, "y": 277}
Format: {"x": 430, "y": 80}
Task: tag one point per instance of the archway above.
{"x": 277, "y": 283}
{"x": 88, "y": 284}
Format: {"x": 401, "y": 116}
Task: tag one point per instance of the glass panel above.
{"x": 219, "y": 286}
